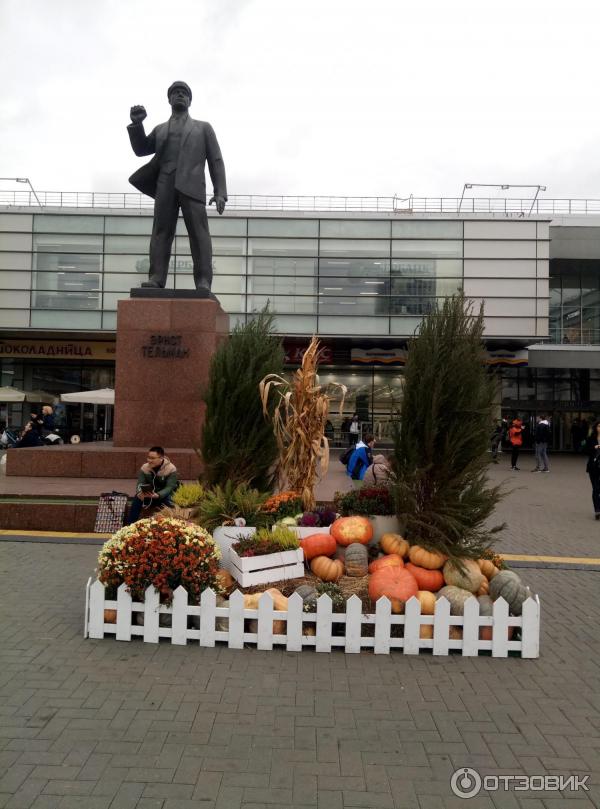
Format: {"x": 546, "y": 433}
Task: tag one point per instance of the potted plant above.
{"x": 266, "y": 556}
{"x": 229, "y": 512}
{"x": 374, "y": 502}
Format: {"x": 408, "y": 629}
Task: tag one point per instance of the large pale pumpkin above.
{"x": 346, "y": 530}
{"x": 426, "y": 632}
{"x": 318, "y": 545}
{"x": 356, "y": 560}
{"x": 426, "y": 579}
{"x": 432, "y": 560}
{"x": 327, "y": 569}
{"x": 509, "y": 586}
{"x": 427, "y": 601}
{"x": 463, "y": 573}
{"x": 457, "y": 597}
{"x": 395, "y": 583}
{"x": 484, "y": 589}
{"x": 392, "y": 560}
{"x": 394, "y": 543}
{"x": 280, "y": 603}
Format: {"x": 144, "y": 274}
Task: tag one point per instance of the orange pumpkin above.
{"x": 427, "y": 601}
{"x": 432, "y": 560}
{"x": 346, "y": 530}
{"x": 224, "y": 578}
{"x": 394, "y": 582}
{"x": 488, "y": 568}
{"x": 318, "y": 545}
{"x": 110, "y": 616}
{"x": 327, "y": 569}
{"x": 394, "y": 543}
{"x": 426, "y": 632}
{"x": 393, "y": 560}
{"x": 431, "y": 580}
{"x": 484, "y": 589}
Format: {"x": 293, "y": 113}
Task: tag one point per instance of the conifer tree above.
{"x": 238, "y": 444}
{"x": 440, "y": 446}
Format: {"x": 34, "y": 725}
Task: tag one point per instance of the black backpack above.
{"x": 346, "y": 455}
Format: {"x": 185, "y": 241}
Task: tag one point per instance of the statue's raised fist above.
{"x": 137, "y": 114}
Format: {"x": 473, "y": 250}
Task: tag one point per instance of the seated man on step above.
{"x": 156, "y": 483}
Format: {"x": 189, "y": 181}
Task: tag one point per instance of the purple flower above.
{"x": 310, "y": 519}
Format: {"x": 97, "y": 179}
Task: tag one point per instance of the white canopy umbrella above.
{"x": 104, "y": 396}
{"x": 8, "y": 394}
{"x": 39, "y": 396}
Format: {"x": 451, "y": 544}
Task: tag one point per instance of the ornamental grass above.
{"x": 162, "y": 552}
{"x": 299, "y": 417}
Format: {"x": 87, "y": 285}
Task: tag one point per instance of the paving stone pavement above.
{"x": 107, "y": 725}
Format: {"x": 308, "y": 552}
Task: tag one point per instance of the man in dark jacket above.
{"x": 156, "y": 483}
{"x": 175, "y": 179}
{"x": 541, "y": 440}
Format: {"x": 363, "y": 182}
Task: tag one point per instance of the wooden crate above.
{"x": 251, "y": 570}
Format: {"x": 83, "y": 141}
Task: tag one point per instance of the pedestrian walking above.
{"x": 592, "y": 446}
{"x": 541, "y": 440}
{"x": 515, "y": 436}
{"x": 496, "y": 440}
{"x": 353, "y": 430}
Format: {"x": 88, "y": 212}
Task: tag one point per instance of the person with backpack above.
{"x": 361, "y": 459}
{"x": 592, "y": 448}
{"x": 515, "y": 436}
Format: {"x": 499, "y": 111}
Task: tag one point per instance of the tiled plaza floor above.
{"x": 110, "y": 725}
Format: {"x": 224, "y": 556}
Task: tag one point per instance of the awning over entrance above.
{"x": 545, "y": 355}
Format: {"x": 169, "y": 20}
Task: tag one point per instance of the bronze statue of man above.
{"x": 175, "y": 179}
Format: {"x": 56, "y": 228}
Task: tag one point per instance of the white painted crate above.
{"x": 319, "y": 623}
{"x": 225, "y": 535}
{"x": 251, "y": 570}
{"x": 303, "y": 531}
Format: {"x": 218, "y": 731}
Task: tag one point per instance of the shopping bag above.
{"x": 111, "y": 512}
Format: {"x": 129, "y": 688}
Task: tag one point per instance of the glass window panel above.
{"x": 15, "y": 241}
{"x": 354, "y": 307}
{"x": 67, "y": 281}
{"x": 423, "y": 247}
{"x": 14, "y": 299}
{"x": 233, "y": 303}
{"x": 282, "y": 247}
{"x": 526, "y": 384}
{"x": 282, "y": 285}
{"x": 591, "y": 324}
{"x": 18, "y": 318}
{"x": 545, "y": 386}
{"x": 109, "y": 320}
{"x": 218, "y": 226}
{"x": 67, "y": 223}
{"x": 425, "y": 286}
{"x": 282, "y": 265}
{"x": 53, "y": 243}
{"x": 126, "y": 244}
{"x": 294, "y": 324}
{"x": 590, "y": 293}
{"x": 223, "y": 265}
{"x": 14, "y": 280}
{"x": 222, "y": 284}
{"x": 353, "y": 325}
{"x": 130, "y": 263}
{"x": 124, "y": 282}
{"x": 16, "y": 222}
{"x": 404, "y": 325}
{"x": 283, "y": 227}
{"x": 15, "y": 261}
{"x": 445, "y": 268}
{"x": 134, "y": 225}
{"x": 510, "y": 384}
{"x": 427, "y": 230}
{"x": 370, "y": 248}
{"x": 354, "y": 229}
{"x": 68, "y": 262}
{"x": 412, "y": 305}
{"x": 338, "y": 286}
{"x": 59, "y": 299}
{"x": 65, "y": 320}
{"x": 555, "y": 327}
{"x": 571, "y": 292}
{"x": 287, "y": 304}
{"x": 221, "y": 245}
{"x": 354, "y": 267}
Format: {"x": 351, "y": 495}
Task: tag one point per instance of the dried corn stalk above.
{"x": 299, "y": 420}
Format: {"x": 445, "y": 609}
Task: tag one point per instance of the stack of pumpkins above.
{"x": 429, "y": 575}
{"x": 347, "y": 541}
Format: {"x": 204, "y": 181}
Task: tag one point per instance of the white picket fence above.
{"x": 227, "y": 624}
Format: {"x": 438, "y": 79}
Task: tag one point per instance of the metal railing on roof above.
{"x": 262, "y": 202}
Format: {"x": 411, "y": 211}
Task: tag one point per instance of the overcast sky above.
{"x": 326, "y": 97}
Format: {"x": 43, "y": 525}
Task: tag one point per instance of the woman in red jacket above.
{"x": 515, "y": 436}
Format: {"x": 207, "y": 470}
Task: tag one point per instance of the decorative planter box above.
{"x": 224, "y": 536}
{"x": 252, "y": 570}
{"x": 385, "y": 632}
{"x": 303, "y": 531}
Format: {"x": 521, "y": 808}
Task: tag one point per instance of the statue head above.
{"x": 179, "y": 95}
